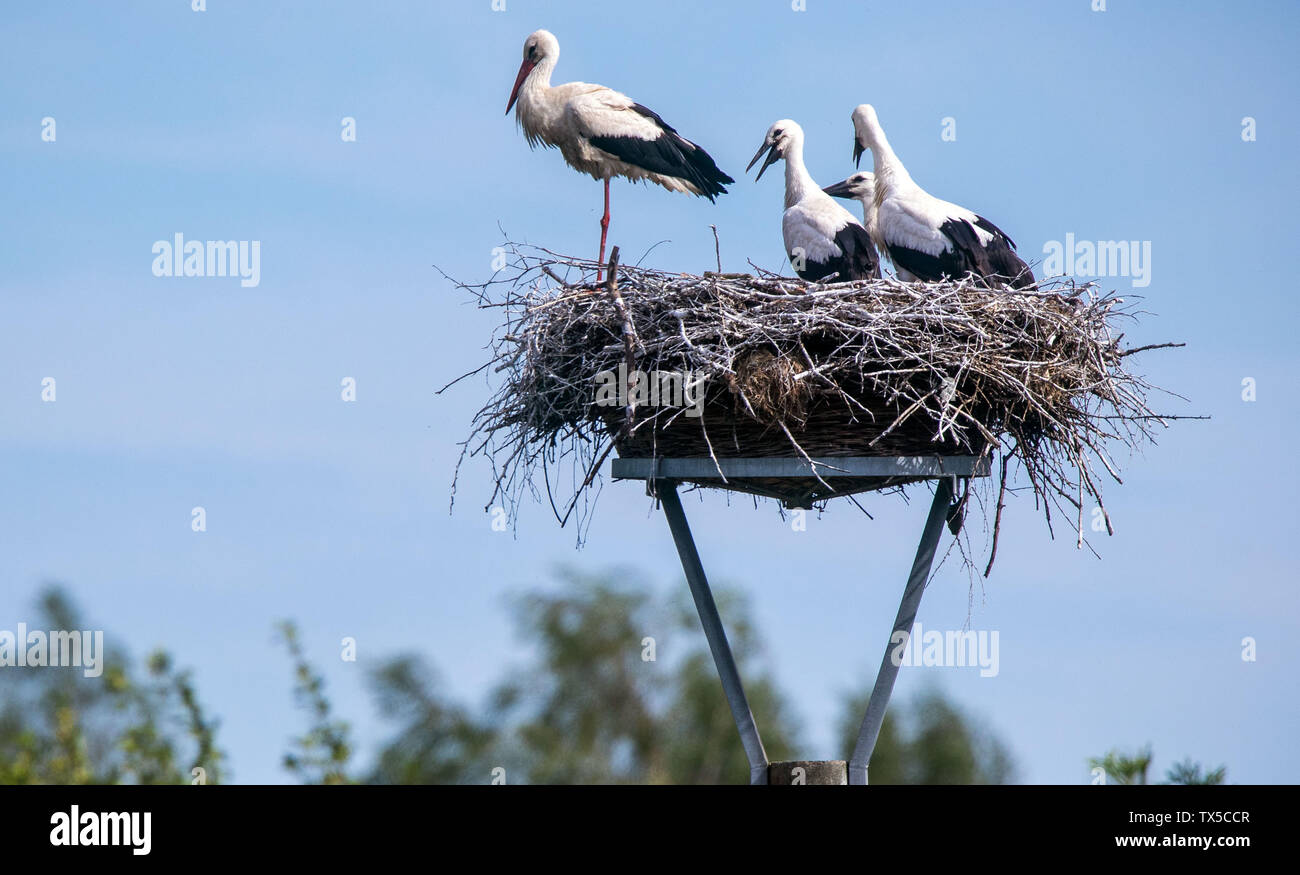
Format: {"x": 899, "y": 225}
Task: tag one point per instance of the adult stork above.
{"x": 928, "y": 238}
{"x": 821, "y": 237}
{"x": 604, "y": 133}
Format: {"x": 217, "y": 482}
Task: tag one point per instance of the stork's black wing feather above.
{"x": 995, "y": 261}
{"x": 1003, "y": 263}
{"x": 860, "y": 258}
{"x": 929, "y": 268}
{"x": 857, "y": 259}
{"x": 670, "y": 154}
{"x": 994, "y": 230}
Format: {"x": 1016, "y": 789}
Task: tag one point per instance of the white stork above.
{"x": 821, "y": 237}
{"x": 928, "y": 238}
{"x": 860, "y": 187}
{"x": 604, "y": 133}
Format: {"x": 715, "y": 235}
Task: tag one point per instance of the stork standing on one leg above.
{"x": 821, "y": 237}
{"x": 926, "y": 237}
{"x": 604, "y": 133}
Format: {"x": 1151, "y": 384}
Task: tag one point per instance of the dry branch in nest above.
{"x": 782, "y": 367}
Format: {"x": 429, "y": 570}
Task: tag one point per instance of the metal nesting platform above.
{"x": 798, "y": 482}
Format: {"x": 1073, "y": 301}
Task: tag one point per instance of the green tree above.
{"x": 890, "y": 757}
{"x": 619, "y": 688}
{"x": 1189, "y": 772}
{"x": 700, "y": 738}
{"x": 584, "y": 711}
{"x": 437, "y": 742}
{"x": 1132, "y": 769}
{"x": 58, "y": 726}
{"x": 321, "y": 755}
{"x": 1122, "y": 768}
{"x": 928, "y": 741}
{"x": 592, "y": 707}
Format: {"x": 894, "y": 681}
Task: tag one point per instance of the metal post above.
{"x": 713, "y": 631}
{"x": 880, "y": 693}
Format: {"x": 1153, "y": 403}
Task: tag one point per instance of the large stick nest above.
{"x": 798, "y": 369}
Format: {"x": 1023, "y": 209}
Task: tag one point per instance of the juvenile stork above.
{"x": 860, "y": 187}
{"x": 926, "y": 237}
{"x": 821, "y": 237}
{"x": 604, "y": 133}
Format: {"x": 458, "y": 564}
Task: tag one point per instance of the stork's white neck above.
{"x": 798, "y": 182}
{"x": 890, "y": 172}
{"x": 536, "y": 112}
{"x": 868, "y": 210}
{"x": 539, "y": 78}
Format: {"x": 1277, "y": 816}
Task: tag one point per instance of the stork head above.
{"x": 780, "y": 138}
{"x": 860, "y": 186}
{"x": 540, "y": 46}
{"x": 866, "y": 129}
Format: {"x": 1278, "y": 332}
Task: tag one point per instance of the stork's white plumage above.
{"x": 926, "y": 237}
{"x": 821, "y": 237}
{"x": 604, "y": 133}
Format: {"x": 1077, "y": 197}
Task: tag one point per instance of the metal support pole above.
{"x": 880, "y": 693}
{"x": 713, "y": 631}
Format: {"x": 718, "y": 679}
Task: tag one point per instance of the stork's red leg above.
{"x": 604, "y": 227}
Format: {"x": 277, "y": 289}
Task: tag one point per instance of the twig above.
{"x": 629, "y": 338}
{"x": 997, "y": 516}
{"x": 1136, "y": 349}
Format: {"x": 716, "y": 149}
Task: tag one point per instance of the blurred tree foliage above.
{"x": 1122, "y": 768}
{"x": 1189, "y": 772}
{"x": 928, "y": 741}
{"x": 1131, "y": 769}
{"x": 608, "y": 698}
{"x": 320, "y": 755}
{"x": 130, "y": 725}
{"x": 618, "y": 687}
{"x": 594, "y": 707}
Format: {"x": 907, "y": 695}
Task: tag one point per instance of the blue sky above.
{"x": 176, "y": 392}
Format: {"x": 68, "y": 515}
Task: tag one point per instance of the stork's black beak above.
{"x": 771, "y": 159}
{"x": 857, "y": 152}
{"x": 840, "y": 189}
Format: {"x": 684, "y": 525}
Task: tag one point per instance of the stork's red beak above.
{"x": 524, "y": 69}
